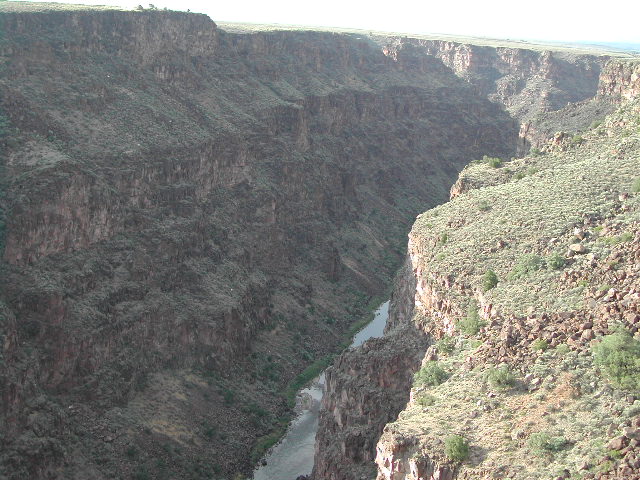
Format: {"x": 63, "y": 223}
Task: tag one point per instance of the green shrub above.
{"x": 426, "y": 400}
{"x": 527, "y": 264}
{"x": 556, "y": 261}
{"x": 542, "y": 443}
{"x": 540, "y": 344}
{"x": 618, "y": 355}
{"x": 489, "y": 280}
{"x": 431, "y": 374}
{"x": 626, "y": 237}
{"x": 615, "y": 454}
{"x": 446, "y": 344}
{"x": 456, "y": 448}
{"x": 501, "y": 377}
{"x": 472, "y": 323}
{"x": 577, "y": 140}
{"x": 444, "y": 238}
{"x": 635, "y": 187}
{"x": 534, "y": 152}
{"x": 484, "y": 206}
{"x": 4, "y": 125}
{"x": 617, "y": 239}
{"x": 493, "y": 162}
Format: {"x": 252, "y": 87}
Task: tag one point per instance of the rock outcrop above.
{"x": 366, "y": 388}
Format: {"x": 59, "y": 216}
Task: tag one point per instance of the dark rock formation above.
{"x": 192, "y": 217}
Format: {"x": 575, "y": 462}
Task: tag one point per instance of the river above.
{"x": 293, "y": 456}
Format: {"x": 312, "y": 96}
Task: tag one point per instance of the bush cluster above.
{"x": 456, "y": 448}
{"x": 527, "y": 264}
{"x": 431, "y": 374}
{"x": 489, "y": 280}
{"x": 542, "y": 443}
{"x": 472, "y": 323}
{"x": 539, "y": 344}
{"x": 618, "y": 355}
{"x": 426, "y": 400}
{"x": 556, "y": 261}
{"x": 501, "y": 377}
{"x": 446, "y": 344}
{"x": 493, "y": 162}
{"x": 531, "y": 263}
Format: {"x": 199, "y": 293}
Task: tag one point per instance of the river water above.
{"x": 293, "y": 456}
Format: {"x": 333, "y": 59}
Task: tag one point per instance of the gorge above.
{"x": 195, "y": 215}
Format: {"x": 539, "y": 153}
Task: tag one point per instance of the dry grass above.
{"x": 585, "y": 181}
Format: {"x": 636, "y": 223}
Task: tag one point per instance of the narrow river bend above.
{"x": 293, "y": 456}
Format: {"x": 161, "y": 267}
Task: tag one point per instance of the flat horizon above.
{"x": 549, "y": 21}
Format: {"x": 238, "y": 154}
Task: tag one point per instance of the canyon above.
{"x": 194, "y": 215}
{"x": 514, "y": 365}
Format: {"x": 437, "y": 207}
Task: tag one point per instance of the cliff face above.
{"x": 620, "y": 80}
{"x": 366, "y": 388}
{"x": 525, "y": 81}
{"x": 191, "y": 217}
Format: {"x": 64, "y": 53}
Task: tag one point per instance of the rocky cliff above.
{"x": 192, "y": 217}
{"x": 366, "y": 388}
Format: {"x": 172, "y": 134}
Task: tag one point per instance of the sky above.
{"x": 550, "y": 20}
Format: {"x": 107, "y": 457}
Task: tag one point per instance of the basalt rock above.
{"x": 192, "y": 217}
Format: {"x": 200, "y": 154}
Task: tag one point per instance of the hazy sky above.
{"x": 564, "y": 20}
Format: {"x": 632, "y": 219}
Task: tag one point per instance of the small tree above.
{"x": 556, "y": 261}
{"x": 501, "y": 377}
{"x": 619, "y": 356}
{"x": 431, "y": 374}
{"x": 489, "y": 280}
{"x": 472, "y": 323}
{"x": 456, "y": 448}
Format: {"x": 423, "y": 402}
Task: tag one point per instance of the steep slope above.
{"x": 194, "y": 216}
{"x": 534, "y": 300}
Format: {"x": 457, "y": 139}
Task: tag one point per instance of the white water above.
{"x": 293, "y": 456}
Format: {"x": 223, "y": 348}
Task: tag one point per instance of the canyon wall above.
{"x": 192, "y": 217}
{"x": 533, "y": 358}
{"x": 545, "y": 89}
{"x": 367, "y": 387}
